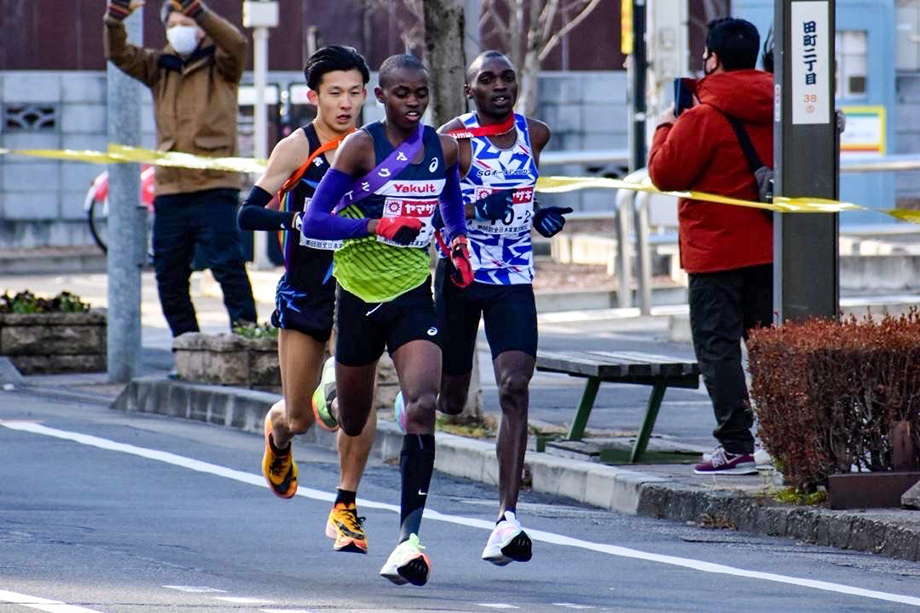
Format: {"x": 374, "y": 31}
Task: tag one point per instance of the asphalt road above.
{"x": 117, "y": 513}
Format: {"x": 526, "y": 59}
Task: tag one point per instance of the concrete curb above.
{"x": 608, "y": 487}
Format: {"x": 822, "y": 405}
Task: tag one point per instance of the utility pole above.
{"x": 806, "y": 279}
{"x": 260, "y": 15}
{"x": 638, "y": 67}
{"x": 126, "y": 220}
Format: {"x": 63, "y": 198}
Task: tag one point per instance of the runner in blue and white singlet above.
{"x": 501, "y": 249}
{"x": 499, "y": 154}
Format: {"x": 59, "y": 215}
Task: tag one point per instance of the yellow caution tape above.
{"x": 175, "y": 159}
{"x": 122, "y": 154}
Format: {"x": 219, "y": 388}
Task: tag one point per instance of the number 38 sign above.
{"x": 810, "y": 37}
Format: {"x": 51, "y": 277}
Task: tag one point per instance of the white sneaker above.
{"x": 407, "y": 563}
{"x": 507, "y": 543}
{"x": 762, "y": 457}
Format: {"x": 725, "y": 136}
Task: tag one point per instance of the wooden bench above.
{"x": 660, "y": 372}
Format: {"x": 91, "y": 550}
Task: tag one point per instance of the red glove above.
{"x": 402, "y": 230}
{"x": 460, "y": 257}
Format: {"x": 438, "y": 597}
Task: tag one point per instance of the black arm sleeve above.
{"x": 254, "y": 216}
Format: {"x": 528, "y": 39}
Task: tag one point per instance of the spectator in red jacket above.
{"x": 726, "y": 250}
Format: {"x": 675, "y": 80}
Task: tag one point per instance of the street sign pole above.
{"x": 806, "y": 160}
{"x": 126, "y": 219}
{"x": 639, "y": 67}
{"x": 260, "y": 15}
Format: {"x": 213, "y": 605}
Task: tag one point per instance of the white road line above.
{"x": 42, "y": 604}
{"x": 194, "y": 589}
{"x": 496, "y": 605}
{"x": 569, "y": 605}
{"x": 537, "y": 535}
{"x": 285, "y": 611}
{"x": 242, "y": 600}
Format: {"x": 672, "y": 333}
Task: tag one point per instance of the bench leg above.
{"x": 584, "y": 409}
{"x": 651, "y": 414}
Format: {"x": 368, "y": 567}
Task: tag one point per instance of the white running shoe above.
{"x": 507, "y": 543}
{"x": 407, "y": 563}
{"x": 399, "y": 409}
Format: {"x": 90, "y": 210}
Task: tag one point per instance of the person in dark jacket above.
{"x": 726, "y": 250}
{"x": 194, "y": 81}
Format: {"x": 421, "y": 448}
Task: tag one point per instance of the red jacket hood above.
{"x": 745, "y": 94}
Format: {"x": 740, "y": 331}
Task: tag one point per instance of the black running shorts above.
{"x": 509, "y": 311}
{"x": 364, "y": 330}
{"x": 307, "y": 312}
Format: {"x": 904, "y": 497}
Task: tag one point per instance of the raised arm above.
{"x": 137, "y": 62}
{"x": 230, "y": 57}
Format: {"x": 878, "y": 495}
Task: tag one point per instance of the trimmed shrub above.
{"x": 27, "y": 302}
{"x": 826, "y": 393}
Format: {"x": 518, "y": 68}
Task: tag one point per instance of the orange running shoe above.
{"x": 346, "y": 528}
{"x": 280, "y": 470}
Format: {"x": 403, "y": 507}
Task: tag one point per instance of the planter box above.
{"x": 48, "y": 343}
{"x": 228, "y": 359}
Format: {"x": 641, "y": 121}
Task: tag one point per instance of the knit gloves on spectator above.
{"x": 120, "y": 9}
{"x": 549, "y": 220}
{"x": 189, "y": 8}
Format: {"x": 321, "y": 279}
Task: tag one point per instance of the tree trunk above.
{"x": 530, "y": 77}
{"x": 445, "y": 58}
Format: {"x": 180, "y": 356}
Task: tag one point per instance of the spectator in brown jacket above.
{"x": 194, "y": 81}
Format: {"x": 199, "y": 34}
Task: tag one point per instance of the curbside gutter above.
{"x": 893, "y": 533}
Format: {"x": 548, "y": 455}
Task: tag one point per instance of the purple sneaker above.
{"x": 723, "y": 463}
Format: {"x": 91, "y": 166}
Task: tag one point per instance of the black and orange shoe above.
{"x": 280, "y": 470}
{"x": 346, "y": 528}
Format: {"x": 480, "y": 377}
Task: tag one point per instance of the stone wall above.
{"x": 46, "y": 343}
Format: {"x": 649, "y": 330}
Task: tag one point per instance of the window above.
{"x": 852, "y": 57}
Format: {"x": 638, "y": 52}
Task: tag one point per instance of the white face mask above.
{"x": 184, "y": 39}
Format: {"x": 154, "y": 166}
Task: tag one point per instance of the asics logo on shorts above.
{"x": 432, "y": 331}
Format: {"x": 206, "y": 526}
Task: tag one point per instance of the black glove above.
{"x": 119, "y": 9}
{"x": 494, "y": 206}
{"x": 549, "y": 220}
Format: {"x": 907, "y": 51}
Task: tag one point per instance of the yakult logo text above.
{"x": 415, "y": 188}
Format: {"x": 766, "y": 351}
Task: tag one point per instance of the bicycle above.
{"x": 96, "y": 206}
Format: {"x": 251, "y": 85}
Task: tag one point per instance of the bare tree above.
{"x": 444, "y": 25}
{"x": 532, "y": 29}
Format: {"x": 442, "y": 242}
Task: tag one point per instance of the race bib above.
{"x": 518, "y": 220}
{"x": 316, "y": 243}
{"x": 423, "y": 210}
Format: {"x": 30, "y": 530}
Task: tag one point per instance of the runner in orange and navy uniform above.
{"x": 305, "y": 298}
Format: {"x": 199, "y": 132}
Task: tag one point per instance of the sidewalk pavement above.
{"x": 664, "y": 491}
